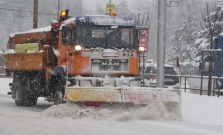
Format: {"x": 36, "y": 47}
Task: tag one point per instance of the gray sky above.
{"x": 90, "y": 5}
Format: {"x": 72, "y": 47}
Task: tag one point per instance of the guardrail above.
{"x": 214, "y": 88}
{"x": 183, "y": 78}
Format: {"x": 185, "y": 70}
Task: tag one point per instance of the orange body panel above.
{"x": 80, "y": 65}
{"x": 42, "y": 60}
{"x": 76, "y": 63}
{"x": 24, "y": 61}
{"x": 22, "y": 38}
{"x": 133, "y": 67}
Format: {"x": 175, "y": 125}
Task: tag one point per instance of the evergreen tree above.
{"x": 212, "y": 25}
{"x": 182, "y": 41}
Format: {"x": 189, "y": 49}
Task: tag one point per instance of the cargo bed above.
{"x": 24, "y": 61}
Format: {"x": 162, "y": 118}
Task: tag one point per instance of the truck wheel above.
{"x": 18, "y": 94}
{"x": 30, "y": 100}
{"x": 22, "y": 96}
{"x": 58, "y": 94}
{"x": 23, "y": 99}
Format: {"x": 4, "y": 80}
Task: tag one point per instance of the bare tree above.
{"x": 142, "y": 15}
{"x": 142, "y": 19}
{"x": 122, "y": 9}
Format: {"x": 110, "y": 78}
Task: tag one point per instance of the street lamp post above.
{"x": 161, "y": 29}
{"x": 58, "y": 10}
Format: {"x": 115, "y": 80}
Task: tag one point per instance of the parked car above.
{"x": 150, "y": 72}
{"x": 169, "y": 72}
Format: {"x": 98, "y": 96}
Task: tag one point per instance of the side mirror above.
{"x": 65, "y": 31}
{"x": 137, "y": 35}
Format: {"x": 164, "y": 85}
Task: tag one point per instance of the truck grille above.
{"x": 121, "y": 65}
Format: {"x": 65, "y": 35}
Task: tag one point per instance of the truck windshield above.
{"x": 107, "y": 37}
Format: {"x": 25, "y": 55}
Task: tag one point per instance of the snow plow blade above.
{"x": 133, "y": 95}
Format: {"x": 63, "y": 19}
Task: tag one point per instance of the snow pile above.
{"x": 75, "y": 111}
{"x": 118, "y": 112}
{"x": 153, "y": 111}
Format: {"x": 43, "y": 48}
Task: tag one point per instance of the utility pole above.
{"x": 161, "y": 29}
{"x": 189, "y": 21}
{"x": 211, "y": 53}
{"x": 110, "y": 1}
{"x": 58, "y": 10}
{"x": 210, "y": 63}
{"x": 35, "y": 14}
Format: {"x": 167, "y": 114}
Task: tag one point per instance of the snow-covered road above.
{"x": 202, "y": 115}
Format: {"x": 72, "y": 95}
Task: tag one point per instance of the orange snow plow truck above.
{"x": 85, "y": 59}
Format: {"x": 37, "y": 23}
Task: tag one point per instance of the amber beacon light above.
{"x": 113, "y": 14}
{"x": 63, "y": 13}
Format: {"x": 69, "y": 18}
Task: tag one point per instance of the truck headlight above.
{"x": 77, "y": 48}
{"x": 141, "y": 49}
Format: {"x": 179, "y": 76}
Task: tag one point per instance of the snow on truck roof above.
{"x": 105, "y": 20}
{"x": 43, "y": 29}
{"x": 88, "y": 20}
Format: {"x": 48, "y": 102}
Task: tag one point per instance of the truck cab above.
{"x": 99, "y": 45}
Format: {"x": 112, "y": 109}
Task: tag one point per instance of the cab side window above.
{"x": 68, "y": 35}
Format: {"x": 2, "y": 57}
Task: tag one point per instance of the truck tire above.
{"x": 58, "y": 94}
{"x": 22, "y": 96}
{"x": 18, "y": 93}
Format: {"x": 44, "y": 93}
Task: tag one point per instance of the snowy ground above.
{"x": 201, "y": 115}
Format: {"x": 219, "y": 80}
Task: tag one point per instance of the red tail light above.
{"x": 154, "y": 77}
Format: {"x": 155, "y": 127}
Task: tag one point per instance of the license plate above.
{"x": 110, "y": 54}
